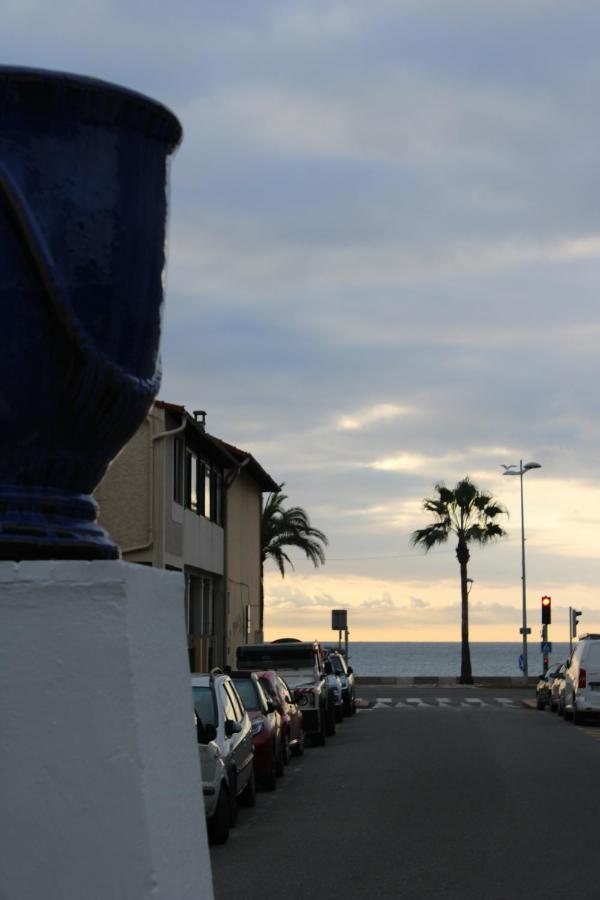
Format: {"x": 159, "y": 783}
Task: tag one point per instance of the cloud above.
{"x": 380, "y": 412}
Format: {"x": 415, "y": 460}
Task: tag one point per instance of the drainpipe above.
{"x": 153, "y": 440}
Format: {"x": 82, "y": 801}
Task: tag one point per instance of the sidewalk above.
{"x": 448, "y": 681}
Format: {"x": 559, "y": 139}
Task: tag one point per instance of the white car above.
{"x": 582, "y": 679}
{"x": 222, "y": 721}
{"x": 215, "y": 785}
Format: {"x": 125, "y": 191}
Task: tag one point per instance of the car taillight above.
{"x": 582, "y": 678}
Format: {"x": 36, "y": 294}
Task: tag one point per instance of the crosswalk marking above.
{"x": 465, "y": 703}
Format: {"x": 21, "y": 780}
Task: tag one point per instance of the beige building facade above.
{"x": 178, "y": 498}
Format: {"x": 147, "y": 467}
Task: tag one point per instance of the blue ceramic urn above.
{"x": 83, "y": 207}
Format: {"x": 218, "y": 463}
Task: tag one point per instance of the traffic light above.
{"x": 575, "y": 613}
{"x": 546, "y": 610}
{"x": 546, "y": 662}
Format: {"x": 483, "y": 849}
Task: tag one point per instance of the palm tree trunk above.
{"x": 466, "y": 675}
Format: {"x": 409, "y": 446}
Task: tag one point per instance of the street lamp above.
{"x": 512, "y": 470}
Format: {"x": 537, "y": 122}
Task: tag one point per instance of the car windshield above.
{"x": 247, "y": 691}
{"x": 286, "y": 656}
{"x": 204, "y": 705}
{"x": 338, "y": 665}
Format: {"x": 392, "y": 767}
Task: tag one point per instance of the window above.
{"x": 207, "y": 492}
{"x": 237, "y": 704}
{"x": 204, "y": 705}
{"x": 228, "y": 710}
{"x": 191, "y": 480}
{"x": 247, "y": 691}
{"x": 247, "y": 620}
{"x": 178, "y": 470}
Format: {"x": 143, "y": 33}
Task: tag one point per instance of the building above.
{"x": 178, "y": 498}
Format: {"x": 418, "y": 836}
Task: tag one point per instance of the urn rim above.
{"x": 143, "y": 111}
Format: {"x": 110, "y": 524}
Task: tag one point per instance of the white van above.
{"x": 582, "y": 679}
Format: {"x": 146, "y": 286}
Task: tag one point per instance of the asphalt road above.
{"x": 428, "y": 794}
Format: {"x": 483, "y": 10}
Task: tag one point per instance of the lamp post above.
{"x": 512, "y": 470}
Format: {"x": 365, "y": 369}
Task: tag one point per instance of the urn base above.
{"x": 39, "y": 523}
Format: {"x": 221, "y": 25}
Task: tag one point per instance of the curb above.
{"x": 447, "y": 681}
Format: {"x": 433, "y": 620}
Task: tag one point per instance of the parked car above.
{"x": 224, "y": 720}
{"x": 301, "y": 663}
{"x": 346, "y": 675}
{"x": 266, "y": 728}
{"x": 543, "y": 689}
{"x": 557, "y": 687}
{"x": 292, "y": 735}
{"x": 582, "y": 679}
{"x": 215, "y": 784}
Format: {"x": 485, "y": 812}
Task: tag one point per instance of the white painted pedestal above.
{"x": 100, "y": 785}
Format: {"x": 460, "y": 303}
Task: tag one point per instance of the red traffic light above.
{"x": 546, "y": 609}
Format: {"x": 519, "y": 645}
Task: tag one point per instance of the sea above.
{"x": 407, "y": 659}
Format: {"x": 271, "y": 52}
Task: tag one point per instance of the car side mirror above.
{"x": 210, "y": 732}
{"x": 232, "y": 728}
{"x": 327, "y": 668}
{"x": 288, "y": 699}
{"x": 350, "y": 670}
{"x": 271, "y": 708}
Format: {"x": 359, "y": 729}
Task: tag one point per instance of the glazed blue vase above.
{"x": 83, "y": 208}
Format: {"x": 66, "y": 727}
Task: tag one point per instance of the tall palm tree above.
{"x": 469, "y": 514}
{"x": 287, "y": 528}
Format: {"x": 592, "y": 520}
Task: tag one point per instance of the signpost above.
{"x": 339, "y": 623}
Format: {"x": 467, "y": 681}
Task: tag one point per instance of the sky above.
{"x": 383, "y": 269}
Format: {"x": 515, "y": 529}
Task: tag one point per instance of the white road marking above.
{"x": 505, "y": 701}
{"x": 415, "y": 701}
{"x": 382, "y": 703}
{"x": 474, "y": 701}
{"x": 445, "y": 702}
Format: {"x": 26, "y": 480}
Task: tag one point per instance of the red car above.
{"x": 291, "y": 715}
{"x": 266, "y": 728}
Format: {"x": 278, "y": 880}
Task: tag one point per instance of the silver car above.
{"x": 222, "y": 720}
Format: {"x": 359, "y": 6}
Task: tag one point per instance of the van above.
{"x": 582, "y": 679}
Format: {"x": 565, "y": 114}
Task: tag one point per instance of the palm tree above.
{"x": 287, "y": 528}
{"x": 469, "y": 514}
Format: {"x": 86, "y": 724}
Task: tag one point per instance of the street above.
{"x": 430, "y": 792}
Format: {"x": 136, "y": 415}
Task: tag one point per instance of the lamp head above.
{"x": 532, "y": 465}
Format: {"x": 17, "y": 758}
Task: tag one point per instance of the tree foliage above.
{"x": 285, "y": 528}
{"x": 469, "y": 515}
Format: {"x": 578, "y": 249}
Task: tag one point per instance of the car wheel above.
{"x": 286, "y": 750}
{"x": 248, "y": 795}
{"x": 299, "y": 750}
{"x": 330, "y": 721}
{"x": 269, "y": 781}
{"x": 233, "y": 800}
{"x": 561, "y": 708}
{"x": 219, "y": 823}
{"x": 576, "y": 716}
{"x": 318, "y": 737}
{"x": 539, "y": 703}
{"x": 353, "y": 705}
{"x": 281, "y": 759}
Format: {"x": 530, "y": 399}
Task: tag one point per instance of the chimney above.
{"x": 200, "y": 417}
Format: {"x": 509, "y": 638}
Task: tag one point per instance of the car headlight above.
{"x": 257, "y": 725}
{"x": 306, "y": 698}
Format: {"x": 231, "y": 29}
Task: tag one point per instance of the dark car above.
{"x": 543, "y": 689}
{"x": 292, "y": 735}
{"x": 266, "y": 728}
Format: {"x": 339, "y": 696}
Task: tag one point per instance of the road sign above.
{"x": 339, "y": 619}
{"x": 546, "y": 647}
{"x": 522, "y": 663}
{"x": 524, "y": 630}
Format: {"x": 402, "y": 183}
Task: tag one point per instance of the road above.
{"x": 430, "y": 792}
